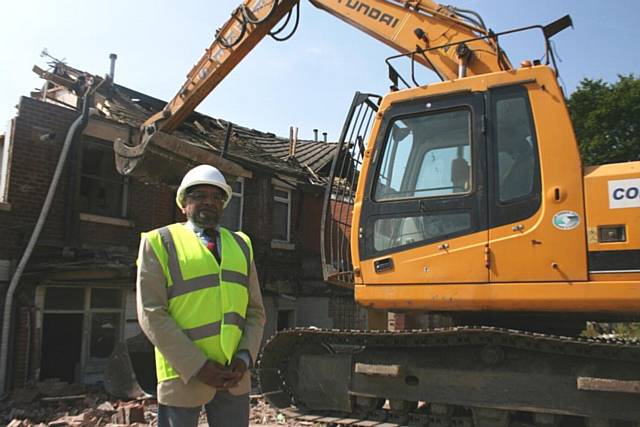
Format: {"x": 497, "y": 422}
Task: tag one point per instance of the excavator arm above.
{"x": 249, "y": 24}
{"x": 449, "y": 41}
{"x": 452, "y": 42}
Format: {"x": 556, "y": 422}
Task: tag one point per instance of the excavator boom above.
{"x": 249, "y": 24}
{"x": 407, "y": 26}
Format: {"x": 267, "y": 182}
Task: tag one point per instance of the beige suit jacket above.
{"x": 177, "y": 348}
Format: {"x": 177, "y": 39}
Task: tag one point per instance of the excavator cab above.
{"x": 462, "y": 199}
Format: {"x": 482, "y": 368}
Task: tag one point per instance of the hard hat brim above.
{"x": 224, "y": 187}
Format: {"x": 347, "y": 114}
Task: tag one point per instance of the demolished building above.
{"x": 76, "y": 298}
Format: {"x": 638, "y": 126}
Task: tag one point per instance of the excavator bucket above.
{"x": 130, "y": 371}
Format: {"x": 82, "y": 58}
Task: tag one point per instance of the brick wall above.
{"x": 33, "y": 162}
{"x": 257, "y": 209}
{"x": 23, "y": 345}
{"x": 32, "y": 166}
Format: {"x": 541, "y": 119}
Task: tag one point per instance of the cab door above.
{"x": 423, "y": 217}
{"x": 536, "y": 213}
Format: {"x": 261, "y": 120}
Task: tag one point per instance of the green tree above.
{"x": 606, "y": 119}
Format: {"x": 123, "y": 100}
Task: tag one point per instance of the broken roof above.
{"x": 253, "y": 149}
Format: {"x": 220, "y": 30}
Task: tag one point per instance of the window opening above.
{"x": 81, "y": 326}
{"x": 232, "y": 215}
{"x": 6, "y": 147}
{"x": 426, "y": 156}
{"x": 516, "y": 148}
{"x": 281, "y": 214}
{"x": 103, "y": 191}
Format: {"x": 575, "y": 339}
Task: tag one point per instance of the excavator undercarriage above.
{"x": 458, "y": 376}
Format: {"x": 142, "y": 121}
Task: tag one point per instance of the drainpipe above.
{"x": 76, "y": 127}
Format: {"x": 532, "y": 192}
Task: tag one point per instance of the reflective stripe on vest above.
{"x": 208, "y": 304}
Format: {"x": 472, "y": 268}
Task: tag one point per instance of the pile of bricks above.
{"x": 58, "y": 404}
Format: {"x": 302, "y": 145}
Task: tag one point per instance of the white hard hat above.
{"x": 203, "y": 174}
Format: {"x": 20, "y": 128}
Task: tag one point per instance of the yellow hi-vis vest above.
{"x": 207, "y": 300}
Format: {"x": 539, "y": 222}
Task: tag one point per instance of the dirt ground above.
{"x": 58, "y": 404}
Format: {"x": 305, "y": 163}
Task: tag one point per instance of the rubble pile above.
{"x": 54, "y": 403}
{"x": 263, "y": 414}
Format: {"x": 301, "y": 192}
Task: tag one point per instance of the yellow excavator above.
{"x": 461, "y": 208}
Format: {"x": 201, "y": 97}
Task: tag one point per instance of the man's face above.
{"x": 203, "y": 205}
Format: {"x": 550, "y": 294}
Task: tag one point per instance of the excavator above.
{"x": 460, "y": 215}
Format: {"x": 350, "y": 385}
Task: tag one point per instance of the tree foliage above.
{"x": 606, "y": 119}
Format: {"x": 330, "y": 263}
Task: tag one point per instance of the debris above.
{"x": 106, "y": 406}
{"x": 58, "y": 398}
{"x": 96, "y": 409}
{"x": 24, "y": 395}
{"x": 54, "y": 387}
{"x": 130, "y": 413}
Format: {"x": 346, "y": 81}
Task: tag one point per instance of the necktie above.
{"x": 212, "y": 238}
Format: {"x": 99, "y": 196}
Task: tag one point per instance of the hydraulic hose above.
{"x": 77, "y": 126}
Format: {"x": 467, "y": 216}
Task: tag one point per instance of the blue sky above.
{"x": 307, "y": 81}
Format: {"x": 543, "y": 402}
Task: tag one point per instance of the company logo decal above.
{"x": 371, "y": 12}
{"x": 624, "y": 193}
{"x": 566, "y": 220}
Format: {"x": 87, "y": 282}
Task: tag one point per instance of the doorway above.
{"x": 286, "y": 319}
{"x": 61, "y": 346}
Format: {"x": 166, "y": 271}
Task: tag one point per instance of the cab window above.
{"x": 426, "y": 156}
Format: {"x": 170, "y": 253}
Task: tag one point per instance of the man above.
{"x": 199, "y": 302}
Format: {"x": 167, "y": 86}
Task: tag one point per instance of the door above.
{"x": 424, "y": 216}
{"x": 536, "y": 231}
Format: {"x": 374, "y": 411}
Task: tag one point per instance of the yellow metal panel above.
{"x": 611, "y": 296}
{"x": 596, "y": 182}
{"x": 462, "y": 261}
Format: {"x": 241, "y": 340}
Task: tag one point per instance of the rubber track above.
{"x": 279, "y": 348}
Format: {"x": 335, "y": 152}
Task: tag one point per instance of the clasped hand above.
{"x": 222, "y": 377}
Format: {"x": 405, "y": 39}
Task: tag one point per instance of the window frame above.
{"x": 420, "y": 155}
{"x": 86, "y": 360}
{"x": 288, "y": 200}
{"x": 126, "y": 182}
{"x": 524, "y": 206}
{"x": 6, "y": 153}
{"x": 241, "y": 197}
{"x": 474, "y": 201}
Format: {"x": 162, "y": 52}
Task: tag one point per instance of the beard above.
{"x": 205, "y": 218}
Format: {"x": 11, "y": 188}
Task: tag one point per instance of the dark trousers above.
{"x": 224, "y": 410}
